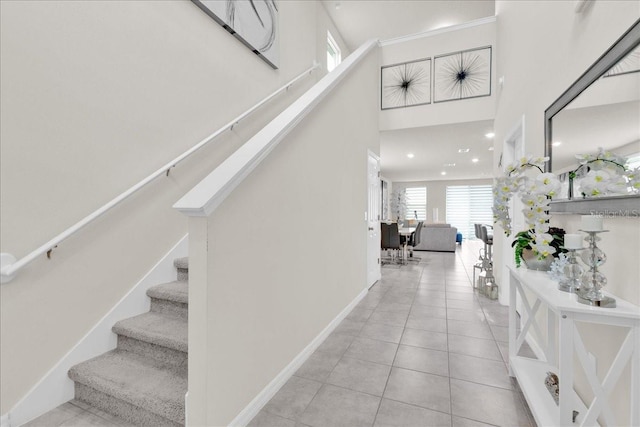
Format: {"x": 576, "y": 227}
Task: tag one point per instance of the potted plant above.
{"x": 399, "y": 205}
{"x": 523, "y": 249}
{"x": 535, "y": 191}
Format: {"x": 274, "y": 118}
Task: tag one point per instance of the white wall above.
{"x": 324, "y": 23}
{"x": 437, "y": 193}
{"x": 467, "y": 110}
{"x": 300, "y": 215}
{"x": 538, "y": 64}
{"x": 543, "y": 47}
{"x": 96, "y": 96}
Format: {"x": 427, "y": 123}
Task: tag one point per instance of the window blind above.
{"x": 468, "y": 205}
{"x": 416, "y": 203}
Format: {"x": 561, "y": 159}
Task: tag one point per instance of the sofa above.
{"x": 437, "y": 237}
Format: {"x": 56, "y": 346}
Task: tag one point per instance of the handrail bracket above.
{"x": 50, "y": 251}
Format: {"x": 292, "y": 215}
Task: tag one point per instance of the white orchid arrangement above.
{"x": 536, "y": 193}
{"x": 606, "y": 175}
{"x": 399, "y": 204}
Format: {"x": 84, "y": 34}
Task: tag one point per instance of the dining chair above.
{"x": 390, "y": 238}
{"x": 415, "y": 241}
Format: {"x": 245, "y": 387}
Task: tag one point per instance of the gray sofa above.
{"x": 437, "y": 237}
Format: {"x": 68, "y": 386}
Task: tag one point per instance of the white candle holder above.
{"x": 593, "y": 281}
{"x": 572, "y": 273}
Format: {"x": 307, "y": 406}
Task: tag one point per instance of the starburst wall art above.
{"x": 460, "y": 75}
{"x": 405, "y": 85}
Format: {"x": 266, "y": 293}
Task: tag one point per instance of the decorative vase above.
{"x": 532, "y": 261}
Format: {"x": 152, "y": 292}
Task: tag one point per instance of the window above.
{"x": 334, "y": 56}
{"x": 416, "y": 203}
{"x": 633, "y": 161}
{"x": 468, "y": 205}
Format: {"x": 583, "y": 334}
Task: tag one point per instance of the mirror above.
{"x": 601, "y": 109}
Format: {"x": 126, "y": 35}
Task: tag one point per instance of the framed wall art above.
{"x": 253, "y": 22}
{"x": 629, "y": 64}
{"x": 461, "y": 75}
{"x": 405, "y": 85}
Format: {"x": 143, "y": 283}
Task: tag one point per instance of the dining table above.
{"x": 406, "y": 232}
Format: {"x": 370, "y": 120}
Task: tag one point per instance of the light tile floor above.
{"x": 421, "y": 349}
{"x": 76, "y": 414}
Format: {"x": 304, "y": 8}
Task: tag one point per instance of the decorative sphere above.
{"x": 589, "y": 279}
{"x": 593, "y": 257}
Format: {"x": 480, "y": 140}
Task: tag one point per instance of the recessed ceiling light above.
{"x": 410, "y": 155}
{"x": 338, "y": 5}
{"x": 463, "y": 150}
{"x": 443, "y": 173}
{"x": 449, "y": 165}
{"x": 556, "y": 143}
{"x": 489, "y": 135}
{"x": 475, "y": 160}
{"x": 491, "y": 148}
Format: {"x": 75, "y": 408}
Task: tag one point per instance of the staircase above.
{"x": 144, "y": 380}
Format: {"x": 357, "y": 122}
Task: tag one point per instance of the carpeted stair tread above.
{"x": 181, "y": 263}
{"x": 139, "y": 381}
{"x": 177, "y": 291}
{"x": 154, "y": 328}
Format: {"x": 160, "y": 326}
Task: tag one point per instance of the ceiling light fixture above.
{"x": 475, "y": 160}
{"x": 337, "y": 5}
{"x": 463, "y": 150}
{"x": 556, "y": 143}
{"x": 489, "y": 135}
{"x": 449, "y": 165}
{"x": 410, "y": 155}
{"x": 443, "y": 173}
{"x": 491, "y": 148}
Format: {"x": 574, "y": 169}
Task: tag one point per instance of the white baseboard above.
{"x": 56, "y": 388}
{"x": 252, "y": 409}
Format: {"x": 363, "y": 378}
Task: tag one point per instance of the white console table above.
{"x": 563, "y": 311}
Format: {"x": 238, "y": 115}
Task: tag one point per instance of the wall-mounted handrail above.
{"x": 205, "y": 197}
{"x": 9, "y": 265}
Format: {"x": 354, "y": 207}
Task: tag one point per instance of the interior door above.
{"x": 373, "y": 220}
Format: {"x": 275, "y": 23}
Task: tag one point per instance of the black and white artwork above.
{"x": 629, "y": 64}
{"x": 460, "y": 75}
{"x": 253, "y": 22}
{"x": 405, "y": 85}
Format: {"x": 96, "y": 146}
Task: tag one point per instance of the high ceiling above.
{"x": 361, "y": 20}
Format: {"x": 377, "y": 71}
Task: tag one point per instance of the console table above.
{"x": 562, "y": 345}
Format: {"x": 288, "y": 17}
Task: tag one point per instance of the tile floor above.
{"x": 421, "y": 349}
{"x": 76, "y": 414}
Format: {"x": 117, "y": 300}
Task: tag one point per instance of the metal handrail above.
{"x": 9, "y": 265}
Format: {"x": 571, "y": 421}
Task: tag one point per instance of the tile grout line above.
{"x": 397, "y": 348}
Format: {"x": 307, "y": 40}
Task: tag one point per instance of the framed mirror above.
{"x": 601, "y": 109}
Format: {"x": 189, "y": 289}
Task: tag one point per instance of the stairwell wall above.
{"x": 95, "y": 97}
{"x": 283, "y": 255}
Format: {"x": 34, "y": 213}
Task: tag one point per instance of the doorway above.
{"x": 373, "y": 219}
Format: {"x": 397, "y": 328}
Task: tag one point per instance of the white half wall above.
{"x": 304, "y": 208}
